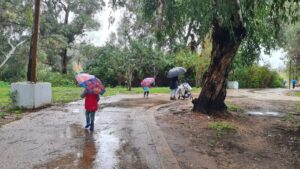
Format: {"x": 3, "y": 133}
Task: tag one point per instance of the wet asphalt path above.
{"x": 125, "y": 136}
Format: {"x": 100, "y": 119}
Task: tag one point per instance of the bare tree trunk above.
{"x": 129, "y": 79}
{"x": 29, "y": 63}
{"x": 64, "y": 61}
{"x": 64, "y": 56}
{"x": 212, "y": 97}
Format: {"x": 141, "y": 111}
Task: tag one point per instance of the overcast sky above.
{"x": 276, "y": 59}
{"x": 100, "y": 36}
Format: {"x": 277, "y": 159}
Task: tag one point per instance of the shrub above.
{"x": 257, "y": 77}
{"x": 4, "y": 84}
{"x": 57, "y": 79}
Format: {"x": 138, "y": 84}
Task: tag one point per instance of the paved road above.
{"x": 125, "y": 136}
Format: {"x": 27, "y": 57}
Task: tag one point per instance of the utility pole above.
{"x": 35, "y": 38}
{"x": 290, "y": 71}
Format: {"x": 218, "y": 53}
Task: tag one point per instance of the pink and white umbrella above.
{"x": 147, "y": 82}
{"x": 83, "y": 77}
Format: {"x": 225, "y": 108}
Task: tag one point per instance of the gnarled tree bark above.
{"x": 225, "y": 43}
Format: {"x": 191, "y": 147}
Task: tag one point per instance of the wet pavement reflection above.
{"x": 55, "y": 138}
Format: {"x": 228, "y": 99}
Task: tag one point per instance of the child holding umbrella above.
{"x": 146, "y": 84}
{"x": 93, "y": 87}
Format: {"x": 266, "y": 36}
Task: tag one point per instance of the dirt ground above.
{"x": 136, "y": 133}
{"x": 264, "y": 142}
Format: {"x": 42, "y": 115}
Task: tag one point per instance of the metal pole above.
{"x": 35, "y": 38}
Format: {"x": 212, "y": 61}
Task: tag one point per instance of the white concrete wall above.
{"x": 31, "y": 95}
{"x": 232, "y": 85}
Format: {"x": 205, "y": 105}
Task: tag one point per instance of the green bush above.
{"x": 57, "y": 79}
{"x": 257, "y": 77}
{"x": 4, "y": 84}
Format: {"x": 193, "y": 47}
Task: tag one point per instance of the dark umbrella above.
{"x": 176, "y": 71}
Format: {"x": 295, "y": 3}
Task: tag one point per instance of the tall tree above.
{"x": 291, "y": 43}
{"x": 69, "y": 19}
{"x": 233, "y": 22}
{"x": 15, "y": 22}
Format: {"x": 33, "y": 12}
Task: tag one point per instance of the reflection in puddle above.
{"x": 98, "y": 151}
{"x": 73, "y": 131}
{"x": 84, "y": 158}
{"x": 106, "y": 156}
{"x": 87, "y": 157}
{"x": 268, "y": 113}
{"x": 76, "y": 111}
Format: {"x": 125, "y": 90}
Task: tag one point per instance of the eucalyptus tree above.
{"x": 235, "y": 24}
{"x": 291, "y": 44}
{"x": 103, "y": 63}
{"x": 15, "y": 21}
{"x": 64, "y": 20}
{"x": 140, "y": 52}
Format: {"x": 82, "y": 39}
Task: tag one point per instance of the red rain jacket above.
{"x": 91, "y": 102}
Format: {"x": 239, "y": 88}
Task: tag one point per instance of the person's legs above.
{"x": 173, "y": 94}
{"x": 147, "y": 93}
{"x": 88, "y": 120}
{"x": 92, "y": 116}
{"x": 144, "y": 94}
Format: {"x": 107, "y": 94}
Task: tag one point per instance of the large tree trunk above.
{"x": 224, "y": 46}
{"x": 29, "y": 63}
{"x": 64, "y": 61}
{"x": 64, "y": 56}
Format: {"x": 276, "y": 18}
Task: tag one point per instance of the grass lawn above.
{"x": 5, "y": 100}
{"x": 69, "y": 94}
{"x": 292, "y": 93}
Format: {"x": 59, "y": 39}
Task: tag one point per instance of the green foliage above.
{"x": 61, "y": 22}
{"x": 5, "y": 100}
{"x": 138, "y": 59}
{"x": 14, "y": 26}
{"x": 221, "y": 128}
{"x": 57, "y": 79}
{"x": 15, "y": 68}
{"x": 190, "y": 61}
{"x": 2, "y": 115}
{"x": 261, "y": 19}
{"x": 290, "y": 117}
{"x": 257, "y": 77}
{"x": 234, "y": 107}
{"x": 4, "y": 84}
{"x": 66, "y": 94}
{"x": 196, "y": 64}
{"x": 291, "y": 44}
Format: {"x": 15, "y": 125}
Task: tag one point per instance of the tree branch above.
{"x": 189, "y": 31}
{"x": 11, "y": 52}
{"x": 63, "y": 5}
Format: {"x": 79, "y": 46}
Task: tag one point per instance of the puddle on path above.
{"x": 266, "y": 113}
{"x": 106, "y": 156}
{"x": 76, "y": 111}
{"x": 96, "y": 150}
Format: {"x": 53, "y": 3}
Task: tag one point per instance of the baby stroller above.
{"x": 184, "y": 91}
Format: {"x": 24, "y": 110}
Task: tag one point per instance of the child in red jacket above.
{"x": 91, "y": 106}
